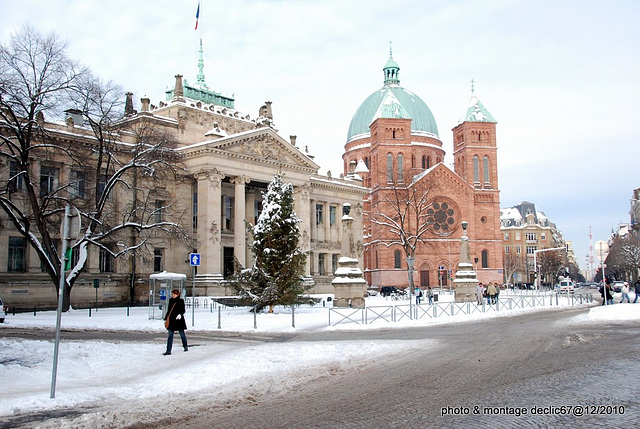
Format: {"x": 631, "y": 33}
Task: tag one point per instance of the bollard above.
{"x": 219, "y": 318}
{"x": 293, "y": 317}
{"x": 127, "y": 310}
{"x": 34, "y": 311}
{"x": 89, "y": 311}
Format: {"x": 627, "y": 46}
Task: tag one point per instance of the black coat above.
{"x": 178, "y": 309}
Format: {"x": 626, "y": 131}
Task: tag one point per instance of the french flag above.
{"x": 197, "y": 15}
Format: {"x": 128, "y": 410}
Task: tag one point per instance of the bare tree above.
{"x": 623, "y": 260}
{"x": 513, "y": 263}
{"x": 108, "y": 156}
{"x": 550, "y": 264}
{"x": 406, "y": 214}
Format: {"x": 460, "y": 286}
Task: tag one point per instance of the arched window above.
{"x": 485, "y": 169}
{"x": 366, "y": 162}
{"x": 424, "y": 162}
{"x": 476, "y": 169}
{"x": 399, "y": 165}
{"x": 429, "y": 162}
{"x": 397, "y": 260}
{"x": 485, "y": 259}
{"x": 389, "y": 168}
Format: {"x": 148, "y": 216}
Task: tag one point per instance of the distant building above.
{"x": 635, "y": 210}
{"x": 526, "y": 230}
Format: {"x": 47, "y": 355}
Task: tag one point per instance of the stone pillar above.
{"x": 209, "y": 211}
{"x": 312, "y": 220}
{"x": 304, "y": 212}
{"x": 349, "y": 284}
{"x": 326, "y": 223}
{"x": 466, "y": 280}
{"x": 250, "y": 213}
{"x": 239, "y": 234}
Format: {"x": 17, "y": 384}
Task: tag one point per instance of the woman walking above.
{"x": 175, "y": 316}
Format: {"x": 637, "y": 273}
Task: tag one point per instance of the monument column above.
{"x": 466, "y": 280}
{"x": 209, "y": 211}
{"x": 307, "y": 215}
{"x": 239, "y": 233}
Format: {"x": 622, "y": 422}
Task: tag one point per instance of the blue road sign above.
{"x": 194, "y": 259}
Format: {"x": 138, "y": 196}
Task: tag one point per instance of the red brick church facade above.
{"x": 393, "y": 144}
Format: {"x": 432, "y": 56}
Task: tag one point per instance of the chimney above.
{"x": 145, "y": 104}
{"x": 128, "y": 105}
{"x": 269, "y": 113}
{"x": 178, "y": 91}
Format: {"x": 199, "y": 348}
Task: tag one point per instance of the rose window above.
{"x": 441, "y": 216}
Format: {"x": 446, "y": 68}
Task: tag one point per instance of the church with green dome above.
{"x": 416, "y": 205}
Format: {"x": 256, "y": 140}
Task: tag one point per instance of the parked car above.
{"x": 3, "y": 311}
{"x": 565, "y": 286}
{"x": 617, "y": 285}
{"x": 372, "y": 291}
{"x": 390, "y": 290}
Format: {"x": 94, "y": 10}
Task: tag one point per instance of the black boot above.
{"x": 166, "y": 353}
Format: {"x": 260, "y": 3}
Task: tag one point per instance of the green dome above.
{"x": 392, "y": 101}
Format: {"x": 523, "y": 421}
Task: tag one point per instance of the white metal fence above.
{"x": 396, "y": 313}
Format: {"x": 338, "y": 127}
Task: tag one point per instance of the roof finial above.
{"x": 472, "y": 87}
{"x": 200, "y": 78}
{"x": 391, "y": 69}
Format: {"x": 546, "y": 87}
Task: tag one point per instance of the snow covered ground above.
{"x": 92, "y": 372}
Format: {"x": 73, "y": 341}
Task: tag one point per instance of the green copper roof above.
{"x": 476, "y": 112}
{"x": 392, "y": 101}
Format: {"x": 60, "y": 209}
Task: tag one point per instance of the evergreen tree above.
{"x": 276, "y": 275}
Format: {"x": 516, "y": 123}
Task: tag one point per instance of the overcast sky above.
{"x": 562, "y": 78}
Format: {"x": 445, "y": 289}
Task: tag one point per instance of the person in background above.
{"x": 625, "y": 293}
{"x": 479, "y": 293}
{"x": 636, "y": 288}
{"x": 497, "y": 286}
{"x": 491, "y": 294}
{"x": 176, "y": 321}
{"x": 418, "y": 293}
{"x": 430, "y": 295}
{"x": 605, "y": 291}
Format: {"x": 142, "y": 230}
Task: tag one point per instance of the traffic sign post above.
{"x": 194, "y": 260}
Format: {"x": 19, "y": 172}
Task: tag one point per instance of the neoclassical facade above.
{"x": 225, "y": 160}
{"x": 394, "y": 145}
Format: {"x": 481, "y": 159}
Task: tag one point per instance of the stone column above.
{"x": 209, "y": 211}
{"x": 326, "y": 223}
{"x": 303, "y": 209}
{"x": 348, "y": 284}
{"x": 466, "y": 280}
{"x": 250, "y": 213}
{"x": 312, "y": 220}
{"x": 239, "y": 234}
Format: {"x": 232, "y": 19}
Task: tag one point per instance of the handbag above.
{"x": 166, "y": 320}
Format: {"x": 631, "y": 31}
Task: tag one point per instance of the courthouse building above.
{"x": 225, "y": 160}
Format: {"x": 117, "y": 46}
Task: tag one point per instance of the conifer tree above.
{"x": 276, "y": 275}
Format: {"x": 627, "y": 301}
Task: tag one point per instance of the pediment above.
{"x": 445, "y": 179}
{"x": 263, "y": 145}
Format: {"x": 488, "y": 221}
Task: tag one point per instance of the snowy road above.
{"x": 517, "y": 365}
{"x": 530, "y": 363}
